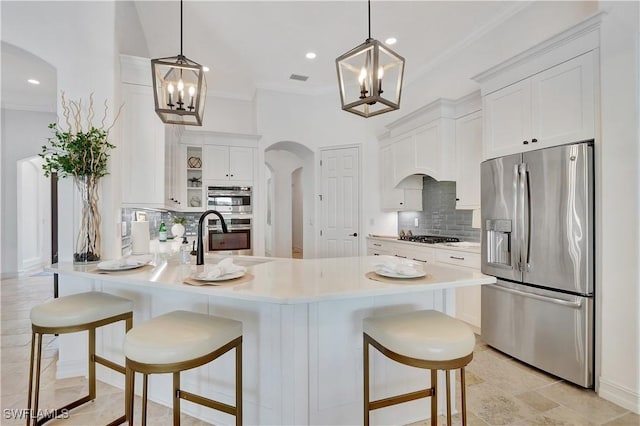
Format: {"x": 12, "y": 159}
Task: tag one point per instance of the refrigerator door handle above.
{"x": 521, "y": 214}
{"x": 575, "y": 305}
{"x": 517, "y": 247}
{"x": 527, "y": 198}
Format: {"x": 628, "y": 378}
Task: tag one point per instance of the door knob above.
{"x": 355, "y": 234}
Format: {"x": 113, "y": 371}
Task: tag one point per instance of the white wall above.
{"x": 23, "y": 133}
{"x": 78, "y": 40}
{"x": 619, "y": 210}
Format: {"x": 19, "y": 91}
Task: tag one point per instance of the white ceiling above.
{"x": 259, "y": 44}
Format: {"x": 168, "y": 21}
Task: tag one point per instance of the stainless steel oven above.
{"x": 236, "y": 241}
{"x": 229, "y": 199}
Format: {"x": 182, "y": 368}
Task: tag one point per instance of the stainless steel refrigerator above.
{"x": 538, "y": 240}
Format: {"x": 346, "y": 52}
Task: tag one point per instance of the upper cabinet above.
{"x": 550, "y": 108}
{"x": 468, "y": 156}
{"x": 229, "y": 164}
{"x": 229, "y": 159}
{"x": 406, "y": 196}
{"x": 544, "y": 96}
{"x": 147, "y": 172}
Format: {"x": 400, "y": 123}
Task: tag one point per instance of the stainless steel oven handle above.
{"x": 575, "y": 305}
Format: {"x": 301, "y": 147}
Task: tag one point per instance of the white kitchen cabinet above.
{"x": 549, "y": 108}
{"x": 468, "y": 299}
{"x": 145, "y": 163}
{"x": 425, "y": 150}
{"x": 228, "y": 165}
{"x": 468, "y": 156}
{"x": 405, "y": 197}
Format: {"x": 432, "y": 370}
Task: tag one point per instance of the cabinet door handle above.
{"x": 401, "y": 203}
{"x": 525, "y": 142}
{"x": 377, "y": 245}
{"x": 376, "y": 254}
{"x": 231, "y": 175}
{"x": 456, "y": 258}
{"x": 227, "y": 175}
{"x": 355, "y": 234}
{"x": 419, "y": 260}
{"x": 534, "y": 140}
{"x": 397, "y": 255}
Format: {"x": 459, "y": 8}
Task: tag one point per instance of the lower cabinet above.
{"x": 468, "y": 299}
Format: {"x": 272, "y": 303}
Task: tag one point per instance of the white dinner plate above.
{"x": 394, "y": 275}
{"x": 116, "y": 265}
{"x": 202, "y": 276}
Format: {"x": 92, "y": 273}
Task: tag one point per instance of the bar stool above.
{"x": 424, "y": 339}
{"x": 178, "y": 341}
{"x": 70, "y": 314}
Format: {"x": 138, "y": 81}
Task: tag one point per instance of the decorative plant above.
{"x": 81, "y": 150}
{"x": 179, "y": 220}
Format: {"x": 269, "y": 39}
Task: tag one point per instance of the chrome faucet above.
{"x": 200, "y": 250}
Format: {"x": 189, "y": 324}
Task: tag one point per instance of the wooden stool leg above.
{"x": 129, "y": 383}
{"x": 463, "y": 393}
{"x": 434, "y": 398}
{"x": 365, "y": 370}
{"x": 239, "y": 384}
{"x": 37, "y": 390}
{"x": 145, "y": 380}
{"x": 92, "y": 364}
{"x": 33, "y": 353}
{"x": 447, "y": 374}
{"x": 176, "y": 399}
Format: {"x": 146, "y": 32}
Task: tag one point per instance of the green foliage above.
{"x": 76, "y": 154}
{"x": 179, "y": 220}
{"x": 82, "y": 149}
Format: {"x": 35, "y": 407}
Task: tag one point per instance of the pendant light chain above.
{"x": 181, "y": 28}
{"x": 369, "y": 7}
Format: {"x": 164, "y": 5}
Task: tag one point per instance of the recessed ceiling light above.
{"x": 205, "y": 69}
{"x": 33, "y": 81}
{"x": 390, "y": 41}
{"x": 310, "y": 55}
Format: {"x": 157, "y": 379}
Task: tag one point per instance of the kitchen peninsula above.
{"x": 302, "y": 332}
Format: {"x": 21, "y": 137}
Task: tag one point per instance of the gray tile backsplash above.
{"x": 439, "y": 215}
{"x": 154, "y": 217}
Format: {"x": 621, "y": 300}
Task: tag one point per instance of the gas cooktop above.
{"x": 429, "y": 239}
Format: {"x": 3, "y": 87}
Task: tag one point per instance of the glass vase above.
{"x": 87, "y": 247}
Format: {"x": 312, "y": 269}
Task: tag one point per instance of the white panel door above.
{"x": 340, "y": 202}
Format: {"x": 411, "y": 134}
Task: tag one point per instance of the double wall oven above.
{"x": 235, "y": 205}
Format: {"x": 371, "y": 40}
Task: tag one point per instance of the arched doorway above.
{"x": 27, "y": 110}
{"x": 290, "y": 182}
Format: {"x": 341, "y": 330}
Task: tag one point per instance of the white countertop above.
{"x": 284, "y": 281}
{"x": 439, "y": 246}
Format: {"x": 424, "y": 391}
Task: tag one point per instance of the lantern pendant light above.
{"x": 360, "y": 76}
{"x": 179, "y": 88}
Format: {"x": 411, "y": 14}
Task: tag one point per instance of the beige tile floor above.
{"x": 501, "y": 390}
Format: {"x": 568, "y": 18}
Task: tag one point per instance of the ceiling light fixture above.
{"x": 171, "y": 78}
{"x": 310, "y": 55}
{"x": 33, "y": 81}
{"x": 205, "y": 69}
{"x": 360, "y": 74}
{"x": 390, "y": 41}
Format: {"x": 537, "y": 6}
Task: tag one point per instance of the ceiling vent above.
{"x": 298, "y": 77}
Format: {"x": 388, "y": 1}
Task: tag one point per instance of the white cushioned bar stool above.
{"x": 179, "y": 341}
{"x": 70, "y": 314}
{"x": 424, "y": 339}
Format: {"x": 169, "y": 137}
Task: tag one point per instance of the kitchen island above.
{"x": 302, "y": 327}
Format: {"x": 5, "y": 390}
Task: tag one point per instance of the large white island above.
{"x": 302, "y": 322}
